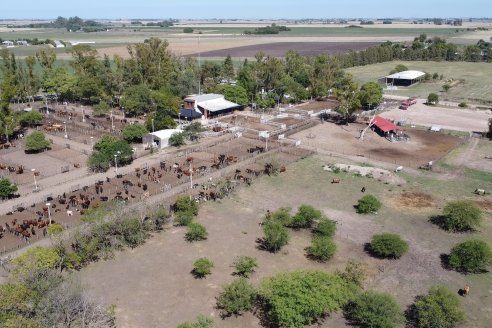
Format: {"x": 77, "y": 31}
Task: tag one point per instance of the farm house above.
{"x": 159, "y": 139}
{"x": 404, "y": 79}
{"x": 207, "y": 105}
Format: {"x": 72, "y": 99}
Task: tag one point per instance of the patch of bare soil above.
{"x": 485, "y": 204}
{"x": 416, "y": 200}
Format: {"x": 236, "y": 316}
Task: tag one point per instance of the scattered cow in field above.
{"x": 70, "y": 213}
{"x": 336, "y": 180}
{"x": 466, "y": 290}
{"x": 480, "y": 192}
{"x": 363, "y": 189}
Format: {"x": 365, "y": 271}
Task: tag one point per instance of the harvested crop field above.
{"x": 279, "y": 49}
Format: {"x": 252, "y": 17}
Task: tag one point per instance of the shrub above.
{"x": 305, "y": 216}
{"x": 177, "y": 139}
{"x": 36, "y": 142}
{"x": 472, "y": 256}
{"x": 388, "y": 245}
{"x": 322, "y": 248}
{"x": 432, "y": 99}
{"x": 55, "y": 229}
{"x": 276, "y": 236}
{"x": 238, "y": 296}
{"x": 375, "y": 310}
{"x": 354, "y": 273}
{"x": 201, "y": 322}
{"x": 299, "y": 298}
{"x": 446, "y": 87}
{"x": 188, "y": 30}
{"x": 368, "y": 204}
{"x": 202, "y": 267}
{"x": 440, "y": 308}
{"x": 195, "y": 232}
{"x": 7, "y": 188}
{"x": 463, "y": 105}
{"x": 183, "y": 218}
{"x": 184, "y": 203}
{"x": 325, "y": 227}
{"x": 245, "y": 265}
{"x": 282, "y": 215}
{"x": 460, "y": 216}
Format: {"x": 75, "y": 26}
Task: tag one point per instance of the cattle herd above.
{"x": 27, "y": 221}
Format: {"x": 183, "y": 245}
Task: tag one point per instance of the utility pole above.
{"x": 199, "y": 68}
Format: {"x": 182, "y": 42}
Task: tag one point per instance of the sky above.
{"x": 250, "y": 9}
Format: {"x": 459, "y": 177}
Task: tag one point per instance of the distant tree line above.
{"x": 272, "y": 29}
{"x": 71, "y": 24}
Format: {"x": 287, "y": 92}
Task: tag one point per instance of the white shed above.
{"x": 159, "y": 139}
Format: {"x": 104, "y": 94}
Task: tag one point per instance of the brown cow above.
{"x": 336, "y": 180}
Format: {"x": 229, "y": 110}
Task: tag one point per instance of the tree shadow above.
{"x": 197, "y": 275}
{"x": 439, "y": 220}
{"x": 445, "y": 262}
{"x": 411, "y": 316}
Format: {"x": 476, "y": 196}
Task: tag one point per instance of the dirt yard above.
{"x": 447, "y": 118}
{"x": 164, "y": 293}
{"x": 422, "y": 147}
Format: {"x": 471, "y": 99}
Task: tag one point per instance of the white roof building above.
{"x": 59, "y": 44}
{"x": 74, "y": 43}
{"x": 159, "y": 139}
{"x": 405, "y": 78}
{"x": 207, "y": 105}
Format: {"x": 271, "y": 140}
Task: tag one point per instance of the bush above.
{"x": 305, "y": 216}
{"x": 388, "y": 245}
{"x": 201, "y": 322}
{"x": 36, "y": 142}
{"x": 375, "y": 310}
{"x": 282, "y": 215}
{"x": 7, "y": 188}
{"x": 432, "y": 99}
{"x": 238, "y": 296}
{"x": 55, "y": 229}
{"x": 195, "y": 232}
{"x": 299, "y": 298}
{"x": 460, "y": 216}
{"x": 368, "y": 204}
{"x": 188, "y": 30}
{"x": 471, "y": 256}
{"x": 354, "y": 273}
{"x": 322, "y": 248}
{"x": 185, "y": 204}
{"x": 202, "y": 267}
{"x": 440, "y": 308}
{"x": 245, "y": 265}
{"x": 177, "y": 139}
{"x": 463, "y": 105}
{"x": 276, "y": 236}
{"x": 183, "y": 218}
{"x": 325, "y": 227}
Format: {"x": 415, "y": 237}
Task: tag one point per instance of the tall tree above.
{"x": 228, "y": 68}
{"x": 154, "y": 61}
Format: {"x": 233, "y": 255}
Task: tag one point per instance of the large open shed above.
{"x": 404, "y": 79}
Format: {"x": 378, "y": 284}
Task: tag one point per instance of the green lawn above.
{"x": 477, "y": 84}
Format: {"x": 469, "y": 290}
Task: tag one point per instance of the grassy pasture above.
{"x": 477, "y": 82}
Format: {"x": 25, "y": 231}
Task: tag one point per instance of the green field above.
{"x": 476, "y": 86}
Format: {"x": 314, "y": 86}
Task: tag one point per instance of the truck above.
{"x": 407, "y": 103}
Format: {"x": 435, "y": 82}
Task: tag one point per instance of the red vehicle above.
{"x": 407, "y": 103}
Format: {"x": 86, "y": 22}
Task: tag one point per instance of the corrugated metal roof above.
{"x": 165, "y": 134}
{"x": 406, "y": 75}
{"x": 204, "y": 97}
{"x": 384, "y": 124}
{"x": 215, "y": 105}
